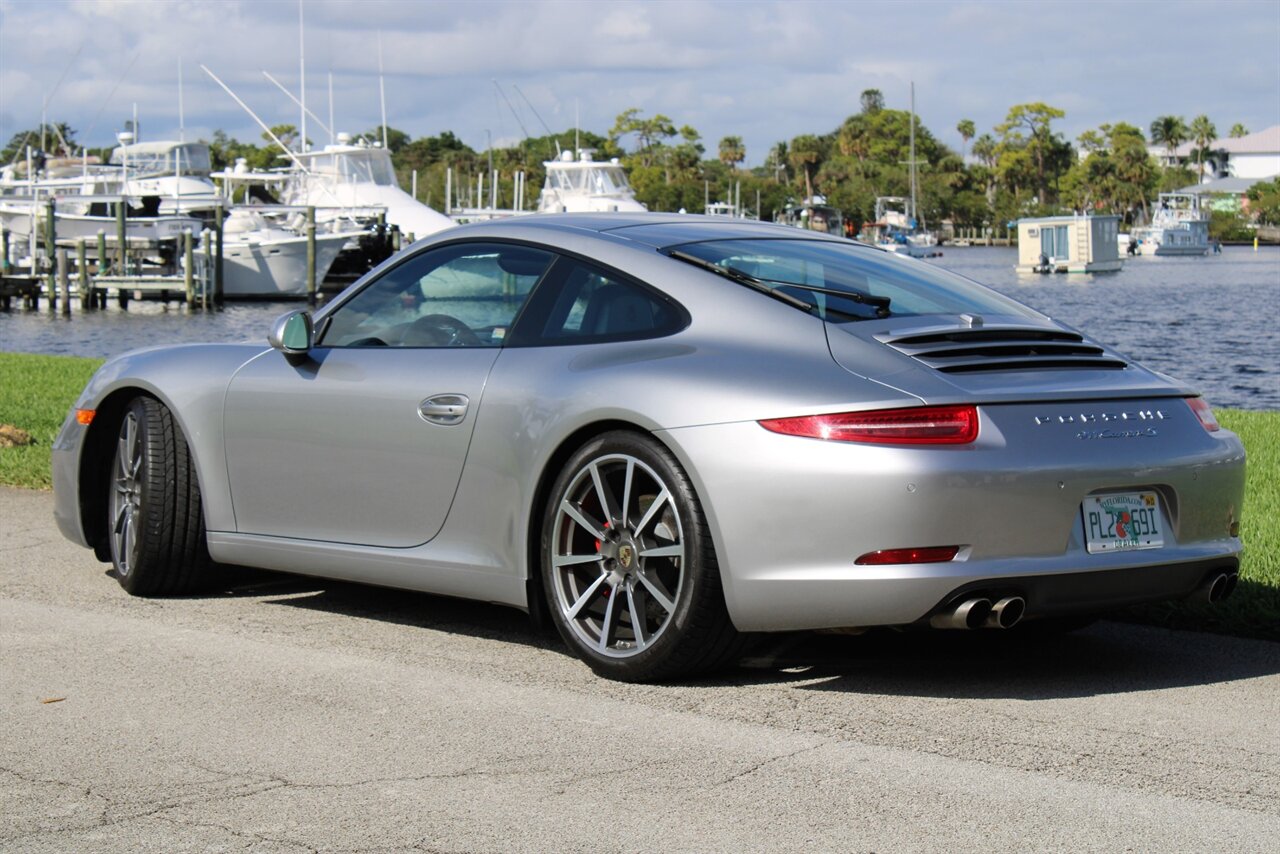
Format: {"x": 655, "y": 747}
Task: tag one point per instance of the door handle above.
{"x": 444, "y": 409}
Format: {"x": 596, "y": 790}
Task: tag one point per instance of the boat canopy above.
{"x": 164, "y": 158}
{"x": 352, "y": 164}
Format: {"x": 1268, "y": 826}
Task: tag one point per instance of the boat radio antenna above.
{"x": 254, "y": 116}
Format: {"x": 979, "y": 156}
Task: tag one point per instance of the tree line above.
{"x": 1021, "y": 167}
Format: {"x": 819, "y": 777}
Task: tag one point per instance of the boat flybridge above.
{"x": 583, "y": 185}
{"x": 352, "y": 175}
{"x": 175, "y": 171}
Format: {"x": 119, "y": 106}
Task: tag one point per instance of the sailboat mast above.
{"x": 913, "y": 151}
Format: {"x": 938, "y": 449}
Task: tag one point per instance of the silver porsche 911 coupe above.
{"x": 664, "y": 433}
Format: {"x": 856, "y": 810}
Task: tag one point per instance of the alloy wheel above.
{"x": 126, "y": 495}
{"x": 618, "y": 555}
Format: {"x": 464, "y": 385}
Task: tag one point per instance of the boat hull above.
{"x": 276, "y": 268}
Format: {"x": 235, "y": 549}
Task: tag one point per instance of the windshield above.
{"x": 811, "y": 270}
{"x": 360, "y": 167}
{"x": 190, "y": 159}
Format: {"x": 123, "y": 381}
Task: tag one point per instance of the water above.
{"x": 1212, "y": 322}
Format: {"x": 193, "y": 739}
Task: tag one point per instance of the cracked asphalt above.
{"x": 294, "y": 715}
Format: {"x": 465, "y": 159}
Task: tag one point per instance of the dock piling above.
{"x": 82, "y": 273}
{"x": 50, "y": 242}
{"x": 217, "y": 261}
{"x": 64, "y": 283}
{"x": 188, "y": 268}
{"x": 100, "y": 299}
{"x": 311, "y": 256}
{"x": 122, "y": 257}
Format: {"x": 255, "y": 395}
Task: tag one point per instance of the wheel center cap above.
{"x": 626, "y": 555}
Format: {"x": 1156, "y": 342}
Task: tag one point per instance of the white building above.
{"x": 1254, "y": 156}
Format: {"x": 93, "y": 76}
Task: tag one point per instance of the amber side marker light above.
{"x": 929, "y": 554}
{"x": 916, "y": 425}
{"x": 85, "y": 416}
{"x": 1204, "y": 412}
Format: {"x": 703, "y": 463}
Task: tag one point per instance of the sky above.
{"x": 765, "y": 70}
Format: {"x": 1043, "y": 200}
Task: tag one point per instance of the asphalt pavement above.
{"x": 290, "y": 714}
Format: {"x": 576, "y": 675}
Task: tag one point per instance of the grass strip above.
{"x": 37, "y": 391}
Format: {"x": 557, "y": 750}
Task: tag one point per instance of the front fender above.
{"x": 191, "y": 381}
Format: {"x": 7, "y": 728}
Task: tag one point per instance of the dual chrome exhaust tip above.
{"x": 982, "y": 613}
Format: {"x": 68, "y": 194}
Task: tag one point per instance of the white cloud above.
{"x": 762, "y": 69}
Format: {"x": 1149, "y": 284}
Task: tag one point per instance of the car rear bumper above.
{"x": 790, "y": 517}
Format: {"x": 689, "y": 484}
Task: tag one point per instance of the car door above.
{"x": 364, "y": 440}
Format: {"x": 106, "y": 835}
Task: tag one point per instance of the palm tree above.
{"x": 1203, "y": 132}
{"x": 1170, "y": 131}
{"x": 732, "y": 151}
{"x": 806, "y": 151}
{"x": 1238, "y": 130}
{"x": 967, "y": 130}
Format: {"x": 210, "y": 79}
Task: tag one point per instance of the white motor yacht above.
{"x": 1177, "y": 227}
{"x": 584, "y": 185}
{"x": 358, "y": 175}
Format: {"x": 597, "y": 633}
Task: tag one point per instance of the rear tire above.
{"x": 628, "y": 566}
{"x": 155, "y": 520}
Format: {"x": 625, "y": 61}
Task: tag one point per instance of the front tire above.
{"x": 628, "y": 565}
{"x": 155, "y": 521}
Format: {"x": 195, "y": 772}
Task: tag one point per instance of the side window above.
{"x": 464, "y": 295}
{"x": 594, "y": 305}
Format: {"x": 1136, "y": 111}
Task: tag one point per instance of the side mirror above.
{"x": 292, "y": 333}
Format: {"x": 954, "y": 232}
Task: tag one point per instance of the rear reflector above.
{"x": 929, "y": 554}
{"x": 1204, "y": 412}
{"x": 918, "y": 425}
{"x": 85, "y": 416}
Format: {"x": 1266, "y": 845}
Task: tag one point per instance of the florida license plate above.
{"x": 1122, "y": 522}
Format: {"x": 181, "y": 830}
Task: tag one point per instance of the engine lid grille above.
{"x": 971, "y": 350}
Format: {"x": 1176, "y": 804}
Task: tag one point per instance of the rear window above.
{"x": 804, "y": 269}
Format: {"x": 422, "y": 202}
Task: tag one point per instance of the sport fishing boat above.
{"x": 350, "y": 175}
{"x": 584, "y": 185}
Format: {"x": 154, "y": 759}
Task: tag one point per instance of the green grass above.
{"x": 35, "y": 394}
{"x": 37, "y": 391}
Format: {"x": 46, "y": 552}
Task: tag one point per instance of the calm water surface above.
{"x": 1212, "y": 321}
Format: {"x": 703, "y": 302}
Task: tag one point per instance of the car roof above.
{"x": 667, "y": 229}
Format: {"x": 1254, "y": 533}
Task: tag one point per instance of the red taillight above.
{"x": 931, "y": 554}
{"x": 919, "y": 425}
{"x": 1204, "y": 413}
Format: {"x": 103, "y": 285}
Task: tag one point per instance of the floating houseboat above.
{"x": 1069, "y": 244}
